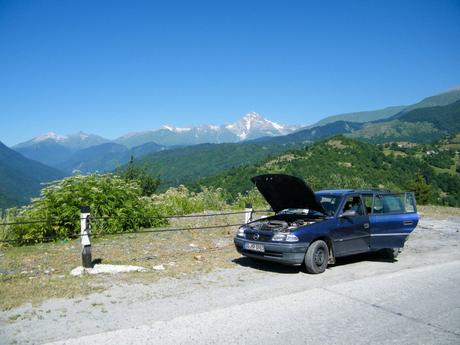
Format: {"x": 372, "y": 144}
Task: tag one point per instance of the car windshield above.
{"x": 330, "y": 203}
{"x": 303, "y": 211}
{"x": 295, "y": 211}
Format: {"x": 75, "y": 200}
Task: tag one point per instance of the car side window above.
{"x": 377, "y": 208}
{"x": 368, "y": 200}
{"x": 410, "y": 202}
{"x": 354, "y": 203}
{"x": 389, "y": 203}
{"x": 393, "y": 204}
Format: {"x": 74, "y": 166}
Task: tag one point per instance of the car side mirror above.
{"x": 348, "y": 213}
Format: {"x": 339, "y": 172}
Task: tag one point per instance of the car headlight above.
{"x": 240, "y": 232}
{"x": 280, "y": 237}
{"x": 292, "y": 238}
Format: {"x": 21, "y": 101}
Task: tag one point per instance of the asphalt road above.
{"x": 414, "y": 306}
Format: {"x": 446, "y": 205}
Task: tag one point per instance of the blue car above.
{"x": 316, "y": 228}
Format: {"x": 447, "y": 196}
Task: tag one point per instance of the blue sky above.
{"x": 111, "y": 67}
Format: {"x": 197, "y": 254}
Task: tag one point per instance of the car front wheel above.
{"x": 317, "y": 257}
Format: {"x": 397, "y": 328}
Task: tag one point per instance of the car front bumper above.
{"x": 284, "y": 253}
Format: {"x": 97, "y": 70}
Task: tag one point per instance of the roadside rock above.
{"x": 103, "y": 268}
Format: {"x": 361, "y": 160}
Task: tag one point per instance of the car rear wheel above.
{"x": 391, "y": 253}
{"x": 317, "y": 257}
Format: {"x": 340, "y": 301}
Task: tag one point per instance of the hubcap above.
{"x": 319, "y": 257}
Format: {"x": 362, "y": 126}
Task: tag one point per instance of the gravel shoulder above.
{"x": 127, "y": 305}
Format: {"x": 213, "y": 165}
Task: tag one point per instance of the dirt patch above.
{"x": 438, "y": 212}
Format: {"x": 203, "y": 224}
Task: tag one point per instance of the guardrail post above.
{"x": 85, "y": 226}
{"x": 248, "y": 213}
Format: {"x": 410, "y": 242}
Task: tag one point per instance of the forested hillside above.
{"x": 307, "y": 136}
{"x": 423, "y": 125}
{"x": 342, "y": 162}
{"x": 440, "y": 99}
{"x": 105, "y": 157}
{"x": 187, "y": 164}
{"x": 21, "y": 177}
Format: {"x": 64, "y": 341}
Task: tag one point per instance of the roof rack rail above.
{"x": 372, "y": 190}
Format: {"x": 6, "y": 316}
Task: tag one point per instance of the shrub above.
{"x": 107, "y": 195}
{"x": 180, "y": 200}
{"x": 253, "y": 197}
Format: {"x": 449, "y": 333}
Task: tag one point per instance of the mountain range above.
{"x": 183, "y": 165}
{"x": 72, "y": 152}
{"x": 183, "y": 155}
{"x": 250, "y": 126}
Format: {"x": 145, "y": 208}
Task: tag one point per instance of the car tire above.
{"x": 390, "y": 253}
{"x": 317, "y": 257}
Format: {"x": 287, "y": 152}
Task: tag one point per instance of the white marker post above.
{"x": 248, "y": 213}
{"x": 85, "y": 227}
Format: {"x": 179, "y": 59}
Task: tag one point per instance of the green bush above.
{"x": 180, "y": 200}
{"x": 117, "y": 200}
{"x": 253, "y": 197}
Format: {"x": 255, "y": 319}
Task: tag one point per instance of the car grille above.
{"x": 263, "y": 237}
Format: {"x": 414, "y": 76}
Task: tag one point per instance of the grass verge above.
{"x": 35, "y": 273}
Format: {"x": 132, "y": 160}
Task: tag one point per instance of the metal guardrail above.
{"x": 154, "y": 230}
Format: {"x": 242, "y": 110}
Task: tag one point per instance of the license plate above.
{"x": 254, "y": 246}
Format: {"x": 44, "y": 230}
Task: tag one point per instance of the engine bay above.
{"x": 278, "y": 225}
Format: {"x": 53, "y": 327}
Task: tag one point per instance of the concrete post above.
{"x": 248, "y": 213}
{"x": 85, "y": 227}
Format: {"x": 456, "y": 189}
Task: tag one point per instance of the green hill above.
{"x": 21, "y": 177}
{"x": 444, "y": 118}
{"x": 186, "y": 164}
{"x": 310, "y": 135}
{"x": 441, "y": 99}
{"x": 363, "y": 116}
{"x": 423, "y": 125}
{"x": 342, "y": 162}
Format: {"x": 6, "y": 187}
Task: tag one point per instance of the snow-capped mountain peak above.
{"x": 49, "y": 136}
{"x": 176, "y": 129}
{"x": 254, "y": 125}
{"x": 77, "y": 140}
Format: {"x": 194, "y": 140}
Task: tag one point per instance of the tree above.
{"x": 148, "y": 183}
{"x": 422, "y": 190}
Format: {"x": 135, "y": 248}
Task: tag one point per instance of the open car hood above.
{"x": 285, "y": 191}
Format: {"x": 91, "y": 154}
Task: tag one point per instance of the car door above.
{"x": 352, "y": 232}
{"x": 393, "y": 218}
